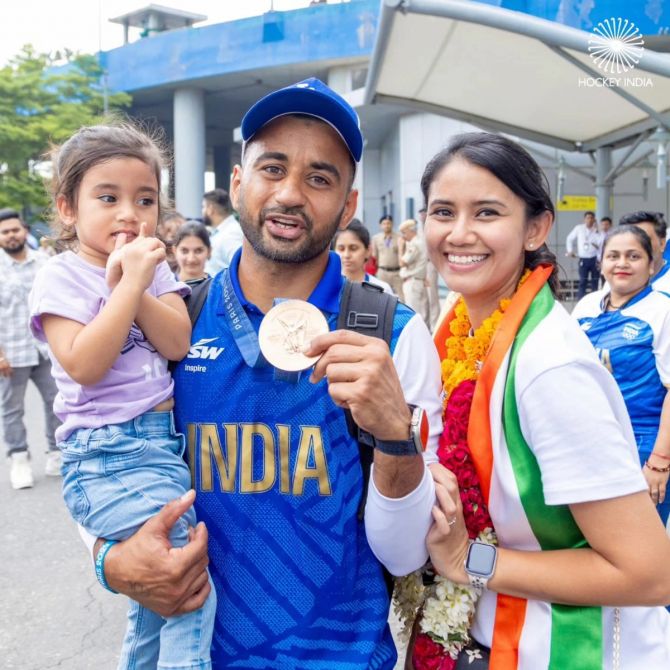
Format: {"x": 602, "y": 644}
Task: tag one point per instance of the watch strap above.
{"x": 396, "y": 447}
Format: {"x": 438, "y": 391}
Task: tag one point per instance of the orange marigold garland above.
{"x": 447, "y": 608}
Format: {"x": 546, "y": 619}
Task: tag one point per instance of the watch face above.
{"x": 420, "y": 429}
{"x": 424, "y": 429}
{"x": 481, "y": 559}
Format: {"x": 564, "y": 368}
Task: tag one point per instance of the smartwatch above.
{"x": 418, "y": 437}
{"x": 480, "y": 563}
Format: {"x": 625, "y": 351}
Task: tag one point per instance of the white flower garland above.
{"x": 447, "y": 609}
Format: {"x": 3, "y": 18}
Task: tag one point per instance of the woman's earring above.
{"x": 530, "y": 245}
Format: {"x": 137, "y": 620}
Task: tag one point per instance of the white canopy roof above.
{"x": 512, "y": 72}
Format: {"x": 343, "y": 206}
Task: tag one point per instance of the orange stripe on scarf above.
{"x": 510, "y": 611}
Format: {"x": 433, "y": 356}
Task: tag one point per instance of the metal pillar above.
{"x": 222, "y": 166}
{"x": 604, "y": 183}
{"x": 189, "y": 150}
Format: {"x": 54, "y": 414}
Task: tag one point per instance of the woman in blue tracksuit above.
{"x": 629, "y": 325}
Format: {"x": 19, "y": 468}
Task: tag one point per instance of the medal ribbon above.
{"x": 246, "y": 338}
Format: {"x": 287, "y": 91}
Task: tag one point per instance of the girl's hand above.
{"x": 447, "y": 539}
{"x": 657, "y": 482}
{"x": 114, "y": 267}
{"x": 141, "y": 257}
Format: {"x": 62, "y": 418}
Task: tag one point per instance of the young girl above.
{"x": 112, "y": 314}
{"x": 192, "y": 250}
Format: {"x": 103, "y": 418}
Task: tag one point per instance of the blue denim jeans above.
{"x": 114, "y": 479}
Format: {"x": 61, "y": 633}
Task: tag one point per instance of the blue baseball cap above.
{"x": 313, "y": 98}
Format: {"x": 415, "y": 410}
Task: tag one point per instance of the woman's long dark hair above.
{"x": 513, "y": 166}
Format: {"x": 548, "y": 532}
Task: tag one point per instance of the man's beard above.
{"x": 14, "y": 249}
{"x": 307, "y": 249}
{"x": 206, "y": 220}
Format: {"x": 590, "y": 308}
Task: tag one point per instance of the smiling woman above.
{"x": 629, "y": 326}
{"x": 537, "y": 449}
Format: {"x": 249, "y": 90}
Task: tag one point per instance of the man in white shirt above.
{"x": 584, "y": 242}
{"x": 226, "y": 234}
{"x": 22, "y": 357}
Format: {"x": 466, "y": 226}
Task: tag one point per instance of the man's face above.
{"x": 589, "y": 220}
{"x": 12, "y": 236}
{"x": 386, "y": 225}
{"x": 206, "y": 218}
{"x": 657, "y": 243}
{"x": 605, "y": 226}
{"x": 293, "y": 190}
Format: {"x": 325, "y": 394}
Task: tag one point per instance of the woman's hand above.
{"x": 447, "y": 539}
{"x": 656, "y": 481}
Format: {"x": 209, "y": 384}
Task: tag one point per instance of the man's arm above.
{"x": 145, "y": 567}
{"x": 377, "y": 389}
{"x": 5, "y": 367}
{"x": 571, "y": 240}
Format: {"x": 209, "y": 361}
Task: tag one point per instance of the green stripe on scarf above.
{"x": 576, "y": 632}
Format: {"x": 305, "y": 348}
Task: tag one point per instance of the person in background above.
{"x": 413, "y": 269}
{"x": 225, "y": 232}
{"x": 434, "y": 307}
{"x": 31, "y": 240}
{"x": 386, "y": 247}
{"x": 47, "y": 246}
{"x": 654, "y": 224}
{"x": 628, "y": 323}
{"x": 352, "y": 245}
{"x": 192, "y": 249}
{"x": 583, "y": 242}
{"x": 22, "y": 357}
{"x": 166, "y": 231}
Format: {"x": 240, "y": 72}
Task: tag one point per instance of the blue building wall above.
{"x": 276, "y": 39}
{"x": 652, "y": 17}
{"x": 322, "y": 32}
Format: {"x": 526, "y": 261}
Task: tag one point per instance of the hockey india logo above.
{"x": 616, "y": 46}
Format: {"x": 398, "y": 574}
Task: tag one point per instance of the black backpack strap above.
{"x": 196, "y": 300}
{"x": 366, "y": 309}
{"x": 194, "y": 303}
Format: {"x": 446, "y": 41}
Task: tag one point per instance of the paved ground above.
{"x": 53, "y": 614}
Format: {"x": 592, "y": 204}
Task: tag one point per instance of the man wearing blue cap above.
{"x": 277, "y": 474}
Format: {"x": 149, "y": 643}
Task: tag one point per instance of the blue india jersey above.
{"x": 278, "y": 483}
{"x": 634, "y": 344}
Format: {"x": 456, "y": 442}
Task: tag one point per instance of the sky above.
{"x": 83, "y": 25}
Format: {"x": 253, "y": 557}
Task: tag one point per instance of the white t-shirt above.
{"x": 226, "y": 240}
{"x": 371, "y": 279}
{"x": 573, "y": 417}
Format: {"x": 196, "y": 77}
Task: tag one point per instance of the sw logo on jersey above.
{"x": 201, "y": 350}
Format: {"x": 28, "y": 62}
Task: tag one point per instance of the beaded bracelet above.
{"x": 655, "y": 453}
{"x": 655, "y": 469}
{"x": 100, "y": 564}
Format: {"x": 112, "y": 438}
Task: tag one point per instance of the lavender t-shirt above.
{"x": 139, "y": 379}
